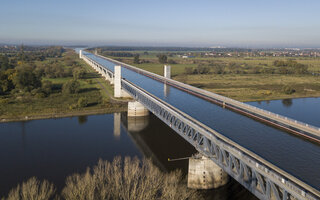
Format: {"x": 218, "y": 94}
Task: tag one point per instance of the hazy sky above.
{"x": 252, "y": 23}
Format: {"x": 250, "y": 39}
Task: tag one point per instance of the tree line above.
{"x": 17, "y": 75}
{"x": 279, "y": 67}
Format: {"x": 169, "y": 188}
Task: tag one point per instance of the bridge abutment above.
{"x": 205, "y": 174}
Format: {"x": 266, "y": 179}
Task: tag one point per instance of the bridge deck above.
{"x": 290, "y": 153}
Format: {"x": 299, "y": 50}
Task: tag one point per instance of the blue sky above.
{"x": 242, "y": 23}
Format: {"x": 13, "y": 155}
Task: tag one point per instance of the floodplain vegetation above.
{"x": 50, "y": 82}
{"x": 243, "y": 78}
{"x": 123, "y": 179}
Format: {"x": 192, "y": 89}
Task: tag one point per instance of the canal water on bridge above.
{"x": 303, "y": 109}
{"x": 295, "y": 155}
{"x": 53, "y": 149}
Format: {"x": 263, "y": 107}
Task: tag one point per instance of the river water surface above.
{"x": 52, "y": 149}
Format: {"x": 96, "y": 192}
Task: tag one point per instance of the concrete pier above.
{"x": 118, "y": 91}
{"x": 167, "y": 71}
{"x": 136, "y": 109}
{"x": 80, "y": 53}
{"x": 205, "y": 174}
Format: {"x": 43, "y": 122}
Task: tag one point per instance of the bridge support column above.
{"x": 80, "y": 53}
{"x": 205, "y": 174}
{"x": 118, "y": 91}
{"x": 136, "y": 109}
{"x": 167, "y": 71}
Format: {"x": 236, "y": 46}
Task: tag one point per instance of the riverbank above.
{"x": 62, "y": 115}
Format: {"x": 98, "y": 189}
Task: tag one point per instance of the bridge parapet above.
{"x": 262, "y": 178}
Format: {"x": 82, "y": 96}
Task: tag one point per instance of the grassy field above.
{"x": 243, "y": 87}
{"x": 93, "y": 88}
{"x": 255, "y": 87}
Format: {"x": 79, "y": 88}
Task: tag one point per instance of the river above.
{"x": 52, "y": 149}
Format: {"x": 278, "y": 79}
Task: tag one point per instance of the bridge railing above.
{"x": 285, "y": 120}
{"x": 256, "y": 174}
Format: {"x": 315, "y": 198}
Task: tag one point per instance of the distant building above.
{"x": 185, "y": 56}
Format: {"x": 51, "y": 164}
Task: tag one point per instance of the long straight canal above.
{"x": 294, "y": 155}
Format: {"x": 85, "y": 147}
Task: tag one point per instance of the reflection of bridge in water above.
{"x": 158, "y": 143}
{"x": 260, "y": 157}
{"x": 153, "y": 143}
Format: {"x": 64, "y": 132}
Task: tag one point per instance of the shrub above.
{"x": 32, "y": 189}
{"x": 188, "y": 70}
{"x": 41, "y": 95}
{"x": 290, "y": 67}
{"x": 71, "y": 87}
{"x": 136, "y": 59}
{"x": 288, "y": 89}
{"x": 47, "y": 87}
{"x": 217, "y": 69}
{"x": 82, "y": 102}
{"x": 90, "y": 81}
{"x": 162, "y": 58}
{"x": 128, "y": 179}
{"x": 201, "y": 69}
{"x": 78, "y": 73}
{"x": 26, "y": 80}
{"x": 171, "y": 61}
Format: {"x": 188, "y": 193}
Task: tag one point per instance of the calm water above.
{"x": 304, "y": 109}
{"x": 290, "y": 153}
{"x": 52, "y": 149}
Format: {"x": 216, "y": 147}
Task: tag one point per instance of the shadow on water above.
{"x": 287, "y": 102}
{"x": 159, "y": 142}
{"x": 82, "y": 119}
